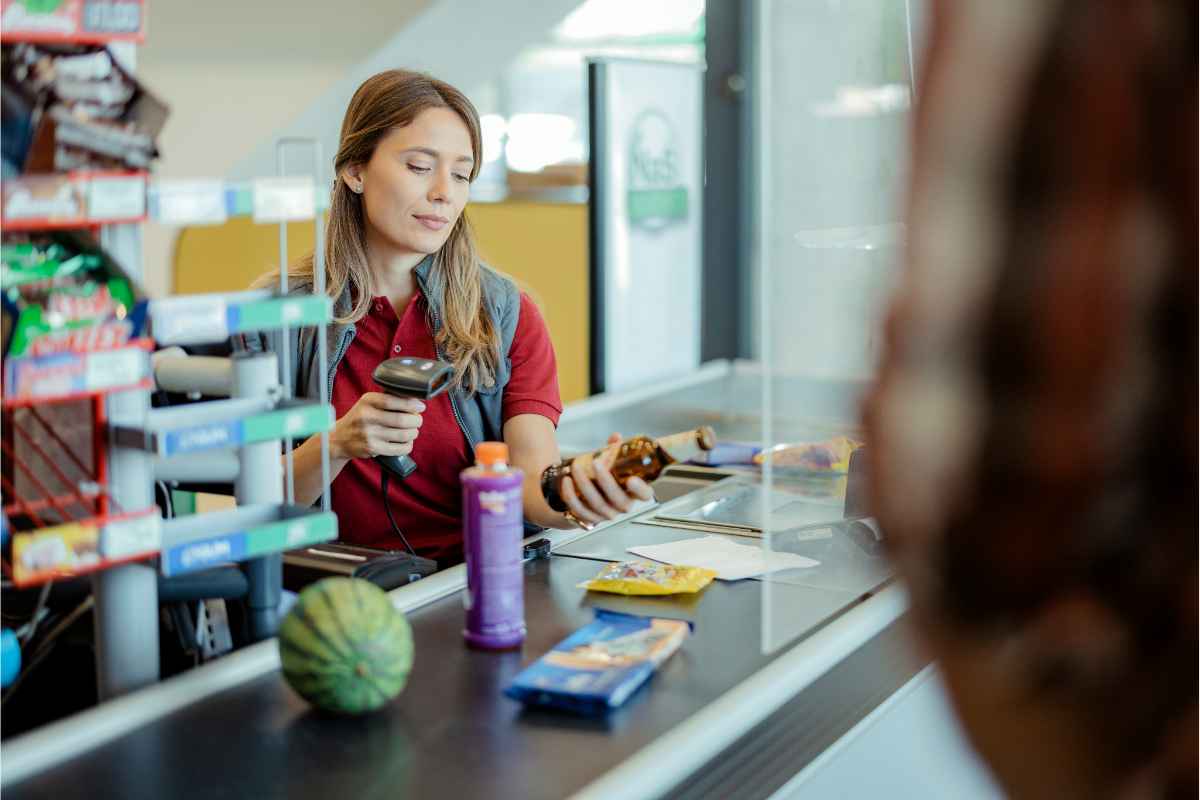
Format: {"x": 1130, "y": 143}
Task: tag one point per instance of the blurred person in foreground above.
{"x": 1034, "y": 427}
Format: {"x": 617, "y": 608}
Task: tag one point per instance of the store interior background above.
{"x": 806, "y": 116}
{"x": 807, "y": 109}
{"x": 235, "y": 89}
{"x": 806, "y": 119}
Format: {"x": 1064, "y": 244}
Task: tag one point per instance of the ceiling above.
{"x": 252, "y": 30}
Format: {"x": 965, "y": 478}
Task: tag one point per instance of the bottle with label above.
{"x": 640, "y": 457}
{"x": 493, "y": 527}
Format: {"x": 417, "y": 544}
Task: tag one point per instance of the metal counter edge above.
{"x": 660, "y": 766}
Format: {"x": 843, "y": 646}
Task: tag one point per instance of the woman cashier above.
{"x": 405, "y": 278}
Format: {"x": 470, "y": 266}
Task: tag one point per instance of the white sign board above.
{"x": 646, "y": 211}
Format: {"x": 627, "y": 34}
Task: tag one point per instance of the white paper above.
{"x": 730, "y": 560}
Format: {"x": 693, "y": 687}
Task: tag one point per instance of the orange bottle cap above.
{"x": 491, "y": 453}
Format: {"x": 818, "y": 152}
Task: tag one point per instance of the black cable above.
{"x": 37, "y": 612}
{"x": 387, "y": 507}
{"x": 168, "y": 501}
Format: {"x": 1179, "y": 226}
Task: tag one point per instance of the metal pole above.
{"x": 285, "y": 357}
{"x": 126, "y": 612}
{"x": 322, "y": 344}
{"x": 259, "y": 482}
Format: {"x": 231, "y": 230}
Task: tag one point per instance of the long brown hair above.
{"x": 384, "y": 102}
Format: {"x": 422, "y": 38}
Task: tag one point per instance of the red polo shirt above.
{"x": 428, "y": 506}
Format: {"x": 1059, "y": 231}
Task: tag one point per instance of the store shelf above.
{"x": 77, "y": 548}
{"x": 71, "y": 376}
{"x": 200, "y": 542}
{"x": 195, "y": 319}
{"x": 72, "y": 200}
{"x": 73, "y": 21}
{"x": 222, "y": 424}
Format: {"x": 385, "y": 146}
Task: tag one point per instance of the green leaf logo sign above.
{"x": 657, "y": 197}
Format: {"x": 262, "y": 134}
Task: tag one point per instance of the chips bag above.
{"x": 647, "y": 577}
{"x": 66, "y": 297}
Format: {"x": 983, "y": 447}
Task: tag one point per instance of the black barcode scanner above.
{"x": 421, "y": 378}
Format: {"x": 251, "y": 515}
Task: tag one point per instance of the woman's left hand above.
{"x": 593, "y": 495}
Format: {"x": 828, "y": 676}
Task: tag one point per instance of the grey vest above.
{"x": 478, "y": 414}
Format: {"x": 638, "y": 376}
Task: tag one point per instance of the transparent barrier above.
{"x": 831, "y": 130}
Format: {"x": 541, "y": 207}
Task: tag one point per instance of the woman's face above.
{"x": 416, "y": 184}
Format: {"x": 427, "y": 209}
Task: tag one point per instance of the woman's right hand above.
{"x": 377, "y": 425}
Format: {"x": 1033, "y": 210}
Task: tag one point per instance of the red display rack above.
{"x": 62, "y": 492}
{"x": 46, "y": 480}
{"x": 59, "y": 479}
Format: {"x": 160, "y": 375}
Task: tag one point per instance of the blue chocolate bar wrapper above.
{"x": 599, "y": 666}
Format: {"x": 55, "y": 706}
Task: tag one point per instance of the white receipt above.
{"x": 730, "y": 560}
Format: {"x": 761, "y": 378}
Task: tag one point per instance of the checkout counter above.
{"x": 773, "y": 682}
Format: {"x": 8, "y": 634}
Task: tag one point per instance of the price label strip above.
{"x": 284, "y": 200}
{"x": 189, "y": 202}
{"x": 190, "y": 320}
{"x": 294, "y": 422}
{"x": 117, "y": 197}
{"x": 76, "y": 548}
{"x": 67, "y": 374}
{"x": 212, "y": 318}
{"x": 273, "y": 537}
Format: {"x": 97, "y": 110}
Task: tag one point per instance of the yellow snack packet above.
{"x": 647, "y": 577}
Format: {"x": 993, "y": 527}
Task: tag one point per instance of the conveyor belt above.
{"x": 451, "y": 733}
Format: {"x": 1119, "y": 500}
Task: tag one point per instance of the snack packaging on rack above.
{"x": 62, "y": 293}
{"x": 648, "y": 578}
{"x": 73, "y": 107}
{"x": 598, "y": 667}
{"x": 48, "y": 552}
{"x": 831, "y": 456}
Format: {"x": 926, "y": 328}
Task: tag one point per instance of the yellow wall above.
{"x": 543, "y": 246}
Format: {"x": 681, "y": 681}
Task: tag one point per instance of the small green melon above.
{"x": 344, "y": 647}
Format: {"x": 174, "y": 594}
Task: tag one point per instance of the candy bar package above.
{"x": 73, "y": 107}
{"x": 646, "y": 577}
{"x": 599, "y": 666}
{"x": 61, "y": 292}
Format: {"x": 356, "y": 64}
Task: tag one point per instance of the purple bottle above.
{"x": 493, "y": 526}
